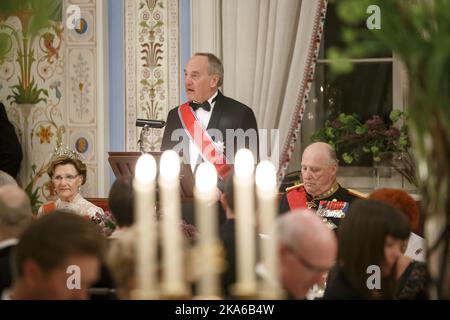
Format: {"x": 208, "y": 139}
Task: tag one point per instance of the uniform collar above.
{"x": 330, "y": 192}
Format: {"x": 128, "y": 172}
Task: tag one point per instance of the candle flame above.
{"x": 169, "y": 165}
{"x": 145, "y": 169}
{"x": 206, "y": 177}
{"x": 244, "y": 163}
{"x": 265, "y": 176}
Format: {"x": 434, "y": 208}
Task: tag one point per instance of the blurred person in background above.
{"x": 371, "y": 236}
{"x": 10, "y": 149}
{"x": 412, "y": 270}
{"x": 58, "y": 258}
{"x": 307, "y": 251}
{"x": 15, "y": 215}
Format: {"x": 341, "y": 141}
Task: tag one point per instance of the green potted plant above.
{"x": 384, "y": 143}
{"x": 418, "y": 32}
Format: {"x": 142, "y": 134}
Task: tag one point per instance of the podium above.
{"x": 123, "y": 164}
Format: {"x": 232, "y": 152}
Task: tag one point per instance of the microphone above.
{"x": 150, "y": 123}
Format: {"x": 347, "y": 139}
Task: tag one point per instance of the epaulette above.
{"x": 295, "y": 186}
{"x": 358, "y": 193}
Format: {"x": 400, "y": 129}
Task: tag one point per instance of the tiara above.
{"x": 64, "y": 151}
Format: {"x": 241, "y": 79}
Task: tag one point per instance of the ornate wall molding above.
{"x": 85, "y": 104}
{"x": 66, "y": 66}
{"x": 152, "y": 65}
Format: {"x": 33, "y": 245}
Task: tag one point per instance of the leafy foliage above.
{"x": 33, "y": 195}
{"x": 29, "y": 94}
{"x": 351, "y": 138}
{"x": 418, "y": 32}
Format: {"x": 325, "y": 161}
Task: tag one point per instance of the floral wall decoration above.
{"x": 47, "y": 76}
{"x": 152, "y": 68}
{"x": 31, "y": 71}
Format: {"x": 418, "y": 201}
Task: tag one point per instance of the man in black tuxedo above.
{"x": 220, "y": 115}
{"x": 217, "y": 113}
{"x": 10, "y": 150}
{"x": 15, "y": 214}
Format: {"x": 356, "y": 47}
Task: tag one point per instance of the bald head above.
{"x": 304, "y": 231}
{"x": 307, "y": 251}
{"x": 319, "y": 168}
{"x": 322, "y": 150}
{"x": 6, "y": 179}
{"x": 15, "y": 206}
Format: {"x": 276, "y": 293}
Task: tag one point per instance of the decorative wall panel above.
{"x": 83, "y": 141}
{"x": 61, "y": 71}
{"x": 152, "y": 65}
{"x": 90, "y": 187}
{"x": 81, "y": 86}
{"x": 84, "y": 32}
{"x": 32, "y": 90}
{"x": 85, "y": 2}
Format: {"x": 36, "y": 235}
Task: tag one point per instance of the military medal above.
{"x": 311, "y": 204}
{"x": 333, "y": 209}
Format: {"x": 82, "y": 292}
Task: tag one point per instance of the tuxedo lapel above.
{"x": 216, "y": 115}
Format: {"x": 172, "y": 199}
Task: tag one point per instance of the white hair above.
{"x": 15, "y": 206}
{"x": 6, "y": 179}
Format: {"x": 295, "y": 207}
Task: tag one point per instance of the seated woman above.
{"x": 68, "y": 175}
{"x": 413, "y": 275}
{"x": 370, "y": 241}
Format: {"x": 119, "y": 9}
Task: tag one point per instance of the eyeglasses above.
{"x": 69, "y": 178}
{"x": 306, "y": 264}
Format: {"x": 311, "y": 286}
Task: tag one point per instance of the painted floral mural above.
{"x": 37, "y": 55}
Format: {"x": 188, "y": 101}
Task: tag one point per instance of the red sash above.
{"x": 48, "y": 207}
{"x": 296, "y": 198}
{"x": 200, "y": 137}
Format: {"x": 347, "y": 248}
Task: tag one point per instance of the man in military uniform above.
{"x": 319, "y": 191}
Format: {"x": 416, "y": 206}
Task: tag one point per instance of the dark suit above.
{"x": 10, "y": 150}
{"x": 5, "y": 267}
{"x": 226, "y": 114}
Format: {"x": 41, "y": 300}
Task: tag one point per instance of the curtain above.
{"x": 269, "y": 49}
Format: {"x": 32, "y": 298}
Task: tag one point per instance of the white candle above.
{"x": 172, "y": 239}
{"x": 145, "y": 220}
{"x": 266, "y": 191}
{"x": 245, "y": 222}
{"x": 207, "y": 223}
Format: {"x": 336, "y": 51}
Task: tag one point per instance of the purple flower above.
{"x": 336, "y": 124}
{"x": 105, "y": 222}
{"x": 393, "y": 132}
{"x": 375, "y": 123}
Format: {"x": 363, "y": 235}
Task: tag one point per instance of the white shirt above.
{"x": 8, "y": 242}
{"x": 6, "y": 295}
{"x": 416, "y": 248}
{"x": 203, "y": 116}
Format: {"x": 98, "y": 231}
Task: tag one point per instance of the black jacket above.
{"x": 5, "y": 267}
{"x": 227, "y": 114}
{"x": 341, "y": 194}
{"x": 338, "y": 288}
{"x": 10, "y": 150}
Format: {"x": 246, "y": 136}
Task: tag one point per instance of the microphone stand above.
{"x": 145, "y": 131}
